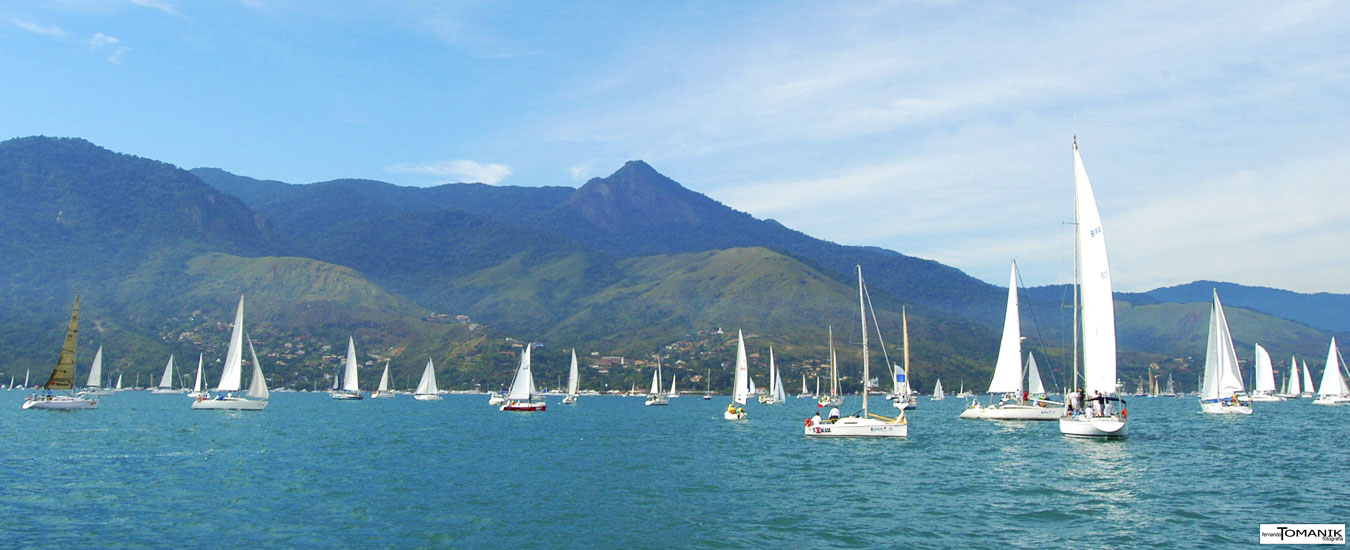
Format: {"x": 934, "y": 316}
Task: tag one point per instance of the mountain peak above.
{"x": 637, "y": 195}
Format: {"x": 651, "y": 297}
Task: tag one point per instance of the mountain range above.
{"x": 627, "y": 265}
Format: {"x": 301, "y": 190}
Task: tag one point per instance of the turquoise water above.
{"x": 144, "y": 470}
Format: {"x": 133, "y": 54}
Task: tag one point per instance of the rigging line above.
{"x": 1039, "y": 336}
{"x": 877, "y": 327}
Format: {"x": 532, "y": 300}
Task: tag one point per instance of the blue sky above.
{"x": 1214, "y": 132}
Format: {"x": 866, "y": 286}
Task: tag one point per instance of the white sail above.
{"x": 232, "y": 377}
{"x": 1294, "y": 387}
{"x": 96, "y": 370}
{"x": 257, "y": 387}
{"x": 741, "y": 388}
{"x": 1034, "y": 385}
{"x": 1264, "y": 380}
{"x": 573, "y": 378}
{"x": 672, "y": 383}
{"x": 1008, "y": 368}
{"x": 937, "y": 390}
{"x": 656, "y": 378}
{"x": 427, "y": 386}
{"x": 384, "y": 378}
{"x": 349, "y": 375}
{"x": 166, "y": 380}
{"x": 862, "y": 313}
{"x": 118, "y": 386}
{"x": 1307, "y": 379}
{"x": 522, "y": 387}
{"x": 1222, "y": 376}
{"x": 778, "y": 393}
{"x": 1333, "y": 383}
{"x": 1098, "y": 308}
{"x": 197, "y": 386}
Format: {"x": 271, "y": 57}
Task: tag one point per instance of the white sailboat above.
{"x": 1016, "y": 402}
{"x": 1222, "y": 390}
{"x": 904, "y": 395}
{"x": 776, "y": 394}
{"x": 1333, "y": 390}
{"x": 93, "y": 386}
{"x": 426, "y": 387}
{"x": 1293, "y": 389}
{"x": 937, "y": 392}
{"x": 63, "y": 374}
{"x": 863, "y": 424}
{"x": 961, "y": 393}
{"x": 383, "y": 390}
{"x": 197, "y": 385}
{"x": 232, "y": 377}
{"x": 573, "y": 381}
{"x": 1097, "y": 322}
{"x": 1308, "y": 387}
{"x": 654, "y": 394}
{"x": 804, "y": 394}
{"x": 673, "y": 393}
{"x": 522, "y": 395}
{"x": 350, "y": 389}
{"x": 740, "y": 385}
{"x": 166, "y": 381}
{"x": 835, "y": 398}
{"x": 118, "y": 386}
{"x": 1263, "y": 382}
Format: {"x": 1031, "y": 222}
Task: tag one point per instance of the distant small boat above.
{"x": 937, "y": 392}
{"x": 776, "y": 393}
{"x": 63, "y": 374}
{"x": 1263, "y": 381}
{"x": 166, "y": 380}
{"x": 94, "y": 385}
{"x": 426, "y": 388}
{"x": 495, "y": 399}
{"x": 573, "y": 380}
{"x": 654, "y": 394}
{"x": 383, "y": 390}
{"x": 1292, "y": 386}
{"x": 804, "y": 394}
{"x": 903, "y": 397}
{"x": 1333, "y": 390}
{"x": 197, "y": 384}
{"x": 1222, "y": 391}
{"x": 350, "y": 389}
{"x": 1309, "y": 390}
{"x": 835, "y": 398}
{"x": 740, "y": 385}
{"x": 522, "y": 395}
{"x": 118, "y": 386}
{"x": 232, "y": 377}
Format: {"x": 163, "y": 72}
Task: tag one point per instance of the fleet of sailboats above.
{"x": 1222, "y": 390}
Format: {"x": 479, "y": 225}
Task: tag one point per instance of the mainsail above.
{"x": 232, "y": 377}
{"x": 166, "y": 380}
{"x": 741, "y": 387}
{"x": 1008, "y": 368}
{"x": 427, "y": 386}
{"x": 1098, "y": 308}
{"x": 63, "y": 374}
{"x": 257, "y": 387}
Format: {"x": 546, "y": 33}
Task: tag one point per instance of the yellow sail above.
{"x": 63, "y": 374}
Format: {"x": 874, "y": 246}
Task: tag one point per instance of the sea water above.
{"x": 145, "y": 470}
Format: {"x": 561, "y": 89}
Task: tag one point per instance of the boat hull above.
{"x": 570, "y": 400}
{"x": 1011, "y": 412}
{"x": 60, "y": 403}
{"x": 1332, "y": 400}
{"x": 158, "y": 391}
{"x": 656, "y": 400}
{"x": 728, "y": 415}
{"x": 96, "y": 393}
{"x": 1266, "y": 398}
{"x": 828, "y": 401}
{"x": 1101, "y": 427}
{"x": 228, "y": 404}
{"x": 426, "y": 396}
{"x": 382, "y": 395}
{"x": 346, "y": 396}
{"x": 858, "y": 427}
{"x": 516, "y": 406}
{"x": 1222, "y": 408}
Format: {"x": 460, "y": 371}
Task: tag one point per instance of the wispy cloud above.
{"x": 157, "y": 5}
{"x": 102, "y": 43}
{"x": 456, "y": 170}
{"x": 52, "y": 31}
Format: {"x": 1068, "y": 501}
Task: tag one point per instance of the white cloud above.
{"x": 52, "y": 31}
{"x": 157, "y": 5}
{"x": 457, "y": 170}
{"x": 111, "y": 45}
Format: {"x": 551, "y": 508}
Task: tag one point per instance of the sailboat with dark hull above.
{"x": 63, "y": 374}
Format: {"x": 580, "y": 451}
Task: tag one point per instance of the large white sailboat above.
{"x": 426, "y": 387}
{"x": 1263, "y": 381}
{"x": 1016, "y": 402}
{"x": 63, "y": 374}
{"x": 862, "y": 424}
{"x": 166, "y": 380}
{"x": 382, "y": 391}
{"x": 835, "y": 397}
{"x": 350, "y": 388}
{"x": 1333, "y": 390}
{"x": 521, "y": 396}
{"x": 232, "y": 377}
{"x": 777, "y": 394}
{"x": 574, "y": 381}
{"x": 654, "y": 395}
{"x": 93, "y": 386}
{"x": 197, "y": 384}
{"x": 740, "y": 385}
{"x": 1096, "y": 322}
{"x": 1221, "y": 389}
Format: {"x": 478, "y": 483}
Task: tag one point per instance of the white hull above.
{"x": 229, "y": 404}
{"x": 196, "y": 394}
{"x": 570, "y": 400}
{"x": 96, "y": 393}
{"x": 905, "y": 405}
{"x": 60, "y": 402}
{"x": 1011, "y": 412}
{"x": 1221, "y": 408}
{"x": 827, "y": 401}
{"x": 733, "y": 415}
{"x": 1266, "y": 398}
{"x": 858, "y": 427}
{"x": 425, "y": 396}
{"x": 159, "y": 391}
{"x": 1106, "y": 427}
{"x": 346, "y": 396}
{"x": 656, "y": 400}
{"x": 531, "y": 406}
{"x": 382, "y": 394}
{"x": 1333, "y": 400}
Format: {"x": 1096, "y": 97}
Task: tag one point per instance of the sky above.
{"x": 1214, "y": 132}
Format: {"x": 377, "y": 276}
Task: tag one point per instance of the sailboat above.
{"x": 383, "y": 390}
{"x": 1263, "y": 382}
{"x": 835, "y": 398}
{"x": 232, "y": 377}
{"x": 426, "y": 387}
{"x": 776, "y": 392}
{"x": 1017, "y": 402}
{"x": 351, "y": 385}
{"x": 962, "y": 393}
{"x": 94, "y": 384}
{"x": 863, "y": 424}
{"x": 654, "y": 395}
{"x": 804, "y": 394}
{"x": 118, "y": 386}
{"x": 904, "y": 396}
{"x": 1333, "y": 390}
{"x": 937, "y": 392}
{"x": 740, "y": 385}
{"x": 522, "y": 393}
{"x": 197, "y": 385}
{"x": 672, "y": 394}
{"x": 63, "y": 374}
{"x": 1292, "y": 388}
{"x": 574, "y": 380}
{"x": 1222, "y": 390}
{"x": 166, "y": 380}
{"x": 707, "y": 392}
{"x": 1095, "y": 318}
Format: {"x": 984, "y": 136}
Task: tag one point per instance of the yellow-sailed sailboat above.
{"x": 63, "y": 374}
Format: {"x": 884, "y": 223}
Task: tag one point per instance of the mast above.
{"x": 862, "y": 313}
{"x": 1076, "y": 275}
{"x": 904, "y": 329}
{"x": 834, "y": 367}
